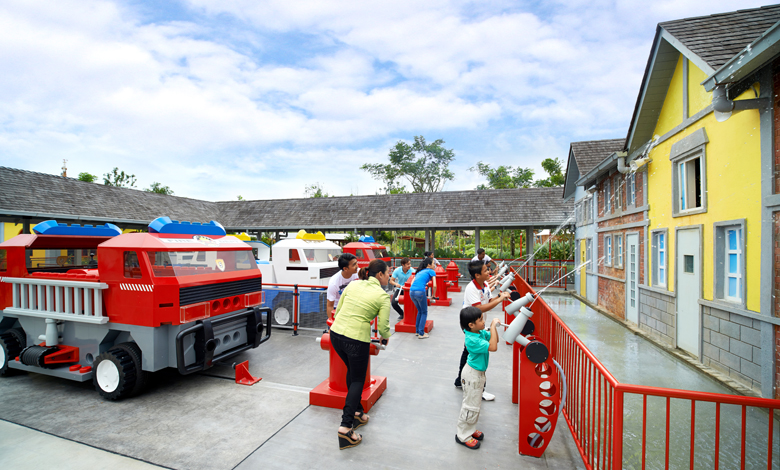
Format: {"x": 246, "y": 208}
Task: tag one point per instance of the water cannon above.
{"x": 519, "y": 329}
{"x": 506, "y": 283}
{"x": 520, "y": 303}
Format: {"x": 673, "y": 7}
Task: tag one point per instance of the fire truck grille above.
{"x": 196, "y": 294}
{"x": 328, "y": 272}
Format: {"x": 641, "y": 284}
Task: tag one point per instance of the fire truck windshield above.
{"x": 193, "y": 263}
{"x": 381, "y": 253}
{"x": 321, "y": 255}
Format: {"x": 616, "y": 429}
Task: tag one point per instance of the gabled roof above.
{"x": 718, "y": 38}
{"x": 27, "y": 195}
{"x": 583, "y": 156}
{"x": 710, "y": 42}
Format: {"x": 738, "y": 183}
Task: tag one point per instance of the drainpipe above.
{"x": 722, "y": 104}
{"x": 621, "y": 161}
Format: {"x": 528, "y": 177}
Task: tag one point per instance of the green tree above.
{"x": 553, "y": 167}
{"x": 240, "y": 197}
{"x": 315, "y": 190}
{"x": 424, "y": 166}
{"x": 159, "y": 189}
{"x": 87, "y": 177}
{"x": 119, "y": 178}
{"x": 504, "y": 177}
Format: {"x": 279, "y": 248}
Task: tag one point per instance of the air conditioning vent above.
{"x": 328, "y": 272}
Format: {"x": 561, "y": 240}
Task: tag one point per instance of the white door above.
{"x": 632, "y": 278}
{"x": 688, "y": 273}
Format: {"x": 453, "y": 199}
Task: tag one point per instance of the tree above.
{"x": 553, "y": 167}
{"x": 87, "y": 177}
{"x": 315, "y": 190}
{"x": 504, "y": 177}
{"x": 119, "y": 178}
{"x": 423, "y": 165}
{"x": 159, "y": 189}
{"x": 240, "y": 198}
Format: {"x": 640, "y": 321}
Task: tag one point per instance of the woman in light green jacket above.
{"x": 350, "y": 338}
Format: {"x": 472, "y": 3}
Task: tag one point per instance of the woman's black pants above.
{"x": 394, "y": 302}
{"x": 355, "y": 355}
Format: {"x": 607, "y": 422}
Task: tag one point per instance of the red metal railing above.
{"x": 595, "y": 406}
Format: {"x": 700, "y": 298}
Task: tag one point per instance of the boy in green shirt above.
{"x": 479, "y": 344}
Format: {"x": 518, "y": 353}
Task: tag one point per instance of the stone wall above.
{"x": 657, "y": 316}
{"x": 732, "y": 345}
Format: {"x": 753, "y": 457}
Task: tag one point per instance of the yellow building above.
{"x": 702, "y": 130}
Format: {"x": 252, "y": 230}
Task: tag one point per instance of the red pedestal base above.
{"x": 443, "y": 302}
{"x": 402, "y": 327}
{"x": 323, "y": 395}
{"x": 453, "y": 288}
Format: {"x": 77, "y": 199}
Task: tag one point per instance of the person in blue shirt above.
{"x": 423, "y": 275}
{"x": 480, "y": 344}
{"x": 400, "y": 275}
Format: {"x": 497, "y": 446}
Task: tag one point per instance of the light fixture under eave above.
{"x": 721, "y": 116}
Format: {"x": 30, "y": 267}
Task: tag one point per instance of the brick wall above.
{"x": 657, "y": 316}
{"x": 612, "y": 296}
{"x": 732, "y": 345}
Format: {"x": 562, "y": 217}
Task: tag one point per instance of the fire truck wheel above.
{"x": 11, "y": 344}
{"x": 114, "y": 374}
{"x": 141, "y": 375}
{"x": 283, "y": 309}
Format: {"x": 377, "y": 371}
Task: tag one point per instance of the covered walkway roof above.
{"x": 27, "y": 196}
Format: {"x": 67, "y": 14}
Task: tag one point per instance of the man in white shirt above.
{"x": 482, "y": 256}
{"x": 477, "y": 294}
{"x": 349, "y": 268}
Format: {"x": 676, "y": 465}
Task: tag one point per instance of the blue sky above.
{"x": 220, "y": 98}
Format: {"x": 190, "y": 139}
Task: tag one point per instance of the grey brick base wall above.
{"x": 732, "y": 345}
{"x": 657, "y": 316}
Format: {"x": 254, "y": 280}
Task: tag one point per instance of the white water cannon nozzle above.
{"x": 501, "y": 270}
{"x": 506, "y": 283}
{"x": 520, "y": 303}
{"x": 512, "y": 333}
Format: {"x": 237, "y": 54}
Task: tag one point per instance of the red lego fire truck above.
{"x": 366, "y": 249}
{"x": 90, "y": 303}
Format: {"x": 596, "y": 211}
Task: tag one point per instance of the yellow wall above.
{"x": 672, "y": 112}
{"x": 698, "y": 97}
{"x": 733, "y": 185}
{"x": 10, "y": 230}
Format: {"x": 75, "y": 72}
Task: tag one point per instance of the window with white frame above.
{"x": 607, "y": 198}
{"x": 619, "y": 187}
{"x": 730, "y": 261}
{"x": 659, "y": 257}
{"x": 607, "y": 250}
{"x": 689, "y": 175}
{"x": 618, "y": 251}
{"x": 631, "y": 190}
{"x": 588, "y": 254}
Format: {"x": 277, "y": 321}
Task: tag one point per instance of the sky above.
{"x": 224, "y": 98}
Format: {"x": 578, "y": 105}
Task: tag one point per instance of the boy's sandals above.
{"x": 361, "y": 419}
{"x": 350, "y": 439}
{"x": 423, "y": 336}
{"x": 471, "y": 443}
{"x": 478, "y": 435}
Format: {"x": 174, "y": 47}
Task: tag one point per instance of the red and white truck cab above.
{"x": 184, "y": 295}
{"x": 367, "y": 250}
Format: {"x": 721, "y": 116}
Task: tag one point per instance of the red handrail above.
{"x": 594, "y": 405}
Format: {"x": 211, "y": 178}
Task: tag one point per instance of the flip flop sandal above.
{"x": 360, "y": 420}
{"x": 470, "y": 443}
{"x": 350, "y": 439}
{"x": 478, "y": 435}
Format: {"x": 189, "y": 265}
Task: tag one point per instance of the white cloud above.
{"x": 261, "y": 98}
